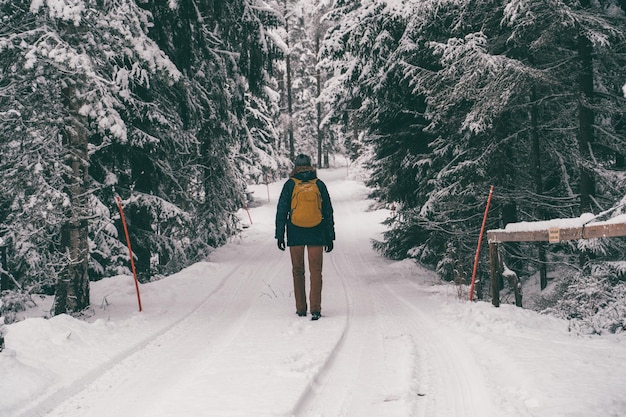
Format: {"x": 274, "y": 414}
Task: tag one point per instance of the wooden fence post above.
{"x": 494, "y": 273}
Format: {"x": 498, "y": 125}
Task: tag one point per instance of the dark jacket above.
{"x": 319, "y": 235}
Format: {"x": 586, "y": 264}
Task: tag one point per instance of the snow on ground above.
{"x": 221, "y": 339}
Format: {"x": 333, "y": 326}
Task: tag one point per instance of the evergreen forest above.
{"x": 172, "y": 107}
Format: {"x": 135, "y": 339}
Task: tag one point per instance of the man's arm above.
{"x": 282, "y": 210}
{"x": 327, "y": 212}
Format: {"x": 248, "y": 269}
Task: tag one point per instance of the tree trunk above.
{"x": 72, "y": 289}
{"x": 494, "y": 273}
{"x": 585, "y": 120}
{"x": 326, "y": 157}
{"x": 292, "y": 152}
{"x": 140, "y": 228}
{"x": 318, "y": 107}
{"x": 585, "y": 126}
{"x": 4, "y": 277}
{"x": 538, "y": 178}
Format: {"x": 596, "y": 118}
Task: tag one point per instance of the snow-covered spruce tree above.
{"x": 477, "y": 111}
{"x": 301, "y": 49}
{"x": 364, "y": 49}
{"x": 79, "y": 62}
{"x": 587, "y": 36}
{"x": 176, "y": 145}
{"x": 47, "y": 216}
{"x": 342, "y": 119}
{"x": 300, "y": 79}
{"x": 575, "y": 118}
{"x": 31, "y": 155}
{"x": 284, "y": 74}
{"x": 257, "y": 149}
{"x": 308, "y": 32}
{"x": 313, "y": 15}
{"x": 137, "y": 152}
{"x": 481, "y": 93}
{"x": 495, "y": 77}
{"x": 158, "y": 173}
{"x": 225, "y": 53}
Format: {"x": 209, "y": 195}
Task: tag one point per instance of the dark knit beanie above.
{"x": 302, "y": 160}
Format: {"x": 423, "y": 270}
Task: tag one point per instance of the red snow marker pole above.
{"x": 130, "y": 251}
{"x": 267, "y": 185}
{"x": 245, "y": 206}
{"x": 480, "y": 241}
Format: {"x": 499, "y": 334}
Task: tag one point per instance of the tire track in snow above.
{"x": 107, "y": 376}
{"x": 367, "y": 373}
{"x": 308, "y": 395}
{"x": 451, "y": 383}
{"x": 356, "y": 379}
{"x": 392, "y": 358}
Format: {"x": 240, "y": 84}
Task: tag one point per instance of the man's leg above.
{"x": 316, "y": 255}
{"x": 299, "y": 291}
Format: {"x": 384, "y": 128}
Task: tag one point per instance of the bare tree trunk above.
{"x": 585, "y": 125}
{"x": 538, "y": 178}
{"x": 585, "y": 119}
{"x": 292, "y": 152}
{"x": 318, "y": 81}
{"x": 72, "y": 289}
{"x": 4, "y": 277}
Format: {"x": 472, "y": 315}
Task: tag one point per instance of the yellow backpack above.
{"x": 306, "y": 203}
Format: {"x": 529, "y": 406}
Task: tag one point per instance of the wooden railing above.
{"x": 552, "y": 234}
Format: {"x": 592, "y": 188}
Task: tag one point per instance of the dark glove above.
{"x": 329, "y": 246}
{"x": 281, "y": 244}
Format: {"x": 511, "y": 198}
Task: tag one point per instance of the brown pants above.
{"x": 316, "y": 254}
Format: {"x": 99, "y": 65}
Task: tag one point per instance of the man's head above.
{"x": 302, "y": 160}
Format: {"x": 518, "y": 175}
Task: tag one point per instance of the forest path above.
{"x": 377, "y": 351}
{"x": 394, "y": 357}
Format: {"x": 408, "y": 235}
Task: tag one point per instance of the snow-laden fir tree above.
{"x": 168, "y": 125}
{"x": 488, "y": 94}
{"x": 300, "y": 79}
{"x": 72, "y": 56}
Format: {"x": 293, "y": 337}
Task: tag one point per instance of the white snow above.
{"x": 69, "y": 10}
{"x": 221, "y": 338}
{"x": 549, "y": 224}
{"x": 586, "y": 219}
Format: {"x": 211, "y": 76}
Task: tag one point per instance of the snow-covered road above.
{"x": 221, "y": 339}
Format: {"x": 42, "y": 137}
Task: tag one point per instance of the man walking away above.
{"x": 305, "y": 210}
